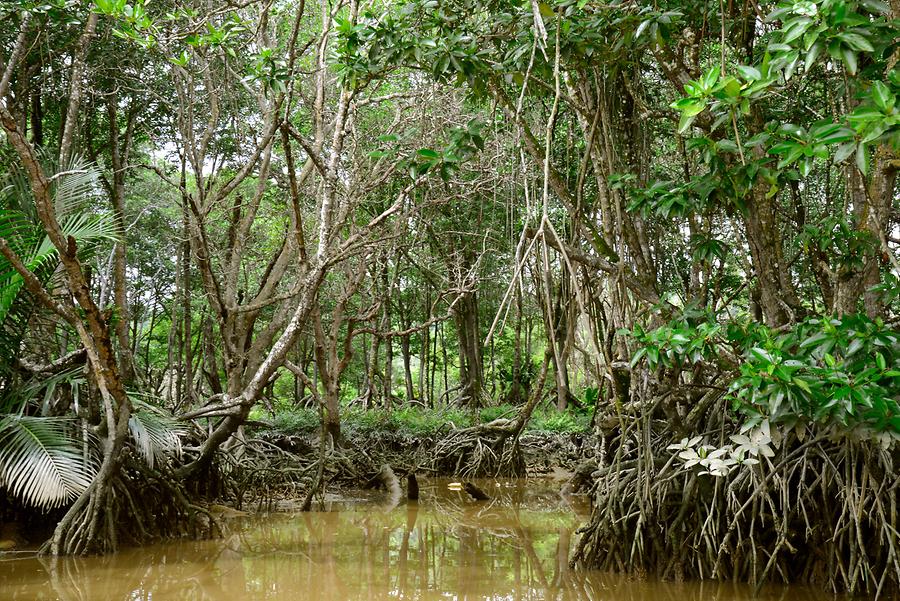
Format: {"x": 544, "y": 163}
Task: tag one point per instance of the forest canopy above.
{"x": 678, "y": 219}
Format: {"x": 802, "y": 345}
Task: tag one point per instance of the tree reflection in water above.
{"x": 515, "y": 547}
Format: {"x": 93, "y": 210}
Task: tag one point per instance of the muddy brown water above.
{"x": 446, "y": 546}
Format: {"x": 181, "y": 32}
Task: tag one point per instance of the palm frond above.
{"x": 74, "y": 184}
{"x": 41, "y": 462}
{"x": 34, "y": 395}
{"x": 155, "y": 434}
{"x": 16, "y": 193}
{"x": 74, "y": 188}
{"x": 20, "y": 235}
{"x": 91, "y": 228}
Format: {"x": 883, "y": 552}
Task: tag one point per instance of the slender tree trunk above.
{"x": 389, "y": 341}
{"x": 444, "y": 363}
{"x": 471, "y": 368}
{"x": 388, "y": 372}
{"x": 432, "y": 380}
{"x": 210, "y": 360}
{"x": 332, "y": 408}
{"x": 407, "y": 367}
{"x": 187, "y": 351}
{"x": 371, "y": 361}
{"x": 423, "y": 355}
{"x": 515, "y": 391}
{"x": 118, "y": 149}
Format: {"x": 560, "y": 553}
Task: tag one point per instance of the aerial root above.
{"x": 487, "y": 450}
{"x": 821, "y": 511}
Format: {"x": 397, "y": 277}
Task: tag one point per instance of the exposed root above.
{"x": 492, "y": 449}
{"x": 487, "y": 450}
{"x": 822, "y": 511}
{"x": 110, "y": 513}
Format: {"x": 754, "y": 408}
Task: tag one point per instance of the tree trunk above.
{"x": 119, "y": 151}
{"x": 471, "y": 367}
{"x": 515, "y": 388}
{"x": 407, "y": 368}
{"x": 332, "y": 409}
{"x": 423, "y": 356}
{"x": 187, "y": 351}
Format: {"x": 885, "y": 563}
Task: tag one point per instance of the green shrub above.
{"x": 296, "y": 421}
{"x": 839, "y": 372}
{"x": 559, "y": 421}
{"x": 489, "y": 414}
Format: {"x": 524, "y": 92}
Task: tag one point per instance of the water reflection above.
{"x": 446, "y": 546}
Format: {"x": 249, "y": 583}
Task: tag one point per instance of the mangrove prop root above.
{"x": 821, "y": 511}
{"x": 111, "y": 513}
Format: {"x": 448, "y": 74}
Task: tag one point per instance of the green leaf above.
{"x": 727, "y": 146}
{"x": 155, "y": 434}
{"x": 793, "y": 58}
{"x": 761, "y": 355}
{"x": 694, "y": 108}
{"x": 863, "y": 115}
{"x": 862, "y": 159}
{"x": 784, "y": 147}
{"x": 883, "y": 97}
{"x": 806, "y": 167}
{"x": 710, "y": 78}
{"x": 732, "y": 88}
{"x": 802, "y": 384}
{"x": 428, "y": 153}
{"x": 638, "y": 356}
{"x": 812, "y": 54}
{"x": 876, "y": 6}
{"x": 40, "y": 462}
{"x": 843, "y": 151}
{"x": 856, "y": 41}
{"x": 874, "y": 133}
{"x": 831, "y": 133}
{"x": 685, "y": 122}
{"x": 793, "y": 130}
{"x": 795, "y": 28}
{"x": 849, "y": 58}
{"x": 106, "y": 7}
{"x": 749, "y": 73}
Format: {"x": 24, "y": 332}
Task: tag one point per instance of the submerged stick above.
{"x": 412, "y": 487}
{"x": 392, "y": 484}
{"x": 475, "y": 492}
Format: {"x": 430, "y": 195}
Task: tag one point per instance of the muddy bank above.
{"x": 543, "y": 453}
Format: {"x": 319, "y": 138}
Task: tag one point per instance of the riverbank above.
{"x": 409, "y": 440}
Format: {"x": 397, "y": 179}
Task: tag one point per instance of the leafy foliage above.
{"x": 41, "y": 461}
{"x": 74, "y": 189}
{"x": 840, "y": 372}
{"x": 155, "y": 434}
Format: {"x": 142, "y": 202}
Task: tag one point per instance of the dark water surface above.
{"x": 446, "y": 546}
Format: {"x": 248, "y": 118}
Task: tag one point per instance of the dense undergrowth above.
{"x": 416, "y": 421}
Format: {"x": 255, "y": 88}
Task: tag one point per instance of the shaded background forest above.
{"x": 676, "y": 226}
